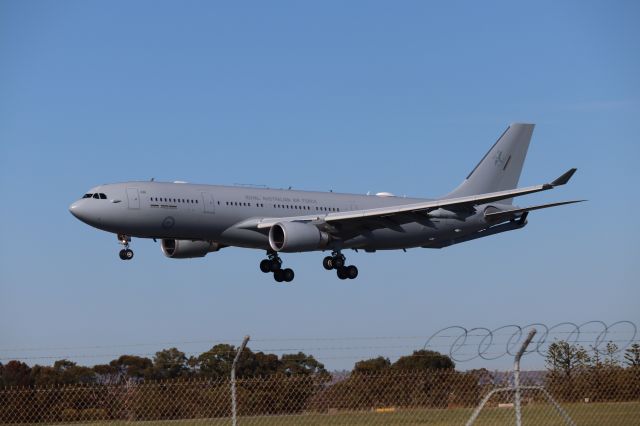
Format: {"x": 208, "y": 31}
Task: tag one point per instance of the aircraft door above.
{"x": 133, "y": 198}
{"x": 207, "y": 202}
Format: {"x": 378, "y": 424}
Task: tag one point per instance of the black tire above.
{"x": 338, "y": 262}
{"x": 288, "y": 274}
{"x": 276, "y": 265}
{"x": 278, "y": 275}
{"x": 342, "y": 273}
{"x": 352, "y": 272}
{"x": 129, "y": 254}
{"x": 265, "y": 265}
{"x": 123, "y": 254}
{"x": 327, "y": 262}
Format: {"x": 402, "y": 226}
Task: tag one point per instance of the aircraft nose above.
{"x": 73, "y": 208}
{"x": 78, "y": 211}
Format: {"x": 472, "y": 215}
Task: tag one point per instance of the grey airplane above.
{"x": 193, "y": 220}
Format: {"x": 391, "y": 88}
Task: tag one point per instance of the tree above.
{"x": 301, "y": 364}
{"x": 565, "y": 363}
{"x": 424, "y": 360}
{"x": 373, "y": 365}
{"x": 611, "y": 355}
{"x": 632, "y": 356}
{"x": 131, "y": 367}
{"x": 170, "y": 363}
{"x": 15, "y": 373}
{"x": 217, "y": 361}
{"x": 63, "y": 372}
{"x": 564, "y": 358}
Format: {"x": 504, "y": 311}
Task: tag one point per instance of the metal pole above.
{"x": 233, "y": 381}
{"x": 516, "y": 375}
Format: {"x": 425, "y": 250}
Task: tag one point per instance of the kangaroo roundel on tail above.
{"x": 501, "y": 166}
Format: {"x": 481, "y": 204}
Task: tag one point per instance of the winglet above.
{"x": 564, "y": 178}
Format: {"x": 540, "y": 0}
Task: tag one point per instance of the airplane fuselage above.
{"x": 212, "y": 212}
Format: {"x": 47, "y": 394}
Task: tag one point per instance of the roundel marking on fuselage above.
{"x": 168, "y": 222}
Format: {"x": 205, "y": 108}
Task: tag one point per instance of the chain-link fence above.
{"x": 438, "y": 397}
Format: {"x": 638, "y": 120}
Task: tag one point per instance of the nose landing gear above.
{"x": 274, "y": 264}
{"x": 336, "y": 261}
{"x": 126, "y": 253}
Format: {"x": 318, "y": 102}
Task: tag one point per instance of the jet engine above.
{"x": 186, "y": 249}
{"x": 296, "y": 237}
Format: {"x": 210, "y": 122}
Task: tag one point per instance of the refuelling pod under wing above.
{"x": 187, "y": 249}
{"x": 296, "y": 237}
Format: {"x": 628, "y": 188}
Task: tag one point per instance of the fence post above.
{"x": 516, "y": 375}
{"x": 233, "y": 381}
{"x": 516, "y": 385}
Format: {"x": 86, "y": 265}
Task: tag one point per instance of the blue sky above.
{"x": 351, "y": 96}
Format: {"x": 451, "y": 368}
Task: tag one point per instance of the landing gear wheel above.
{"x": 327, "y": 262}
{"x": 287, "y": 274}
{"x": 278, "y": 275}
{"x": 352, "y": 272}
{"x": 276, "y": 264}
{"x": 338, "y": 261}
{"x": 265, "y": 265}
{"x": 342, "y": 273}
{"x": 126, "y": 253}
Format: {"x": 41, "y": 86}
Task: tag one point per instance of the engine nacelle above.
{"x": 186, "y": 249}
{"x": 296, "y": 237}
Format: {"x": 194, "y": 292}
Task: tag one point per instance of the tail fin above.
{"x": 500, "y": 168}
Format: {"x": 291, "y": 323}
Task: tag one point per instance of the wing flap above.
{"x": 509, "y": 214}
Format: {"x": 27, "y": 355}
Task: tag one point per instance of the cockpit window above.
{"x": 96, "y": 195}
{"x": 103, "y": 196}
{"x": 87, "y": 195}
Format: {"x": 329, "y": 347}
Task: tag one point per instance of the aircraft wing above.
{"x": 415, "y": 209}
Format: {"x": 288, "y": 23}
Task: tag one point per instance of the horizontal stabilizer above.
{"x": 510, "y": 214}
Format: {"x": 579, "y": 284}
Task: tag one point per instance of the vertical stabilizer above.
{"x": 500, "y": 168}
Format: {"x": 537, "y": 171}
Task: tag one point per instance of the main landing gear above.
{"x": 126, "y": 253}
{"x": 274, "y": 264}
{"x": 336, "y": 261}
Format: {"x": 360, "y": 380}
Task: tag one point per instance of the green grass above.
{"x": 627, "y": 413}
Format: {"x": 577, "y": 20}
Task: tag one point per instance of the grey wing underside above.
{"x": 351, "y": 223}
